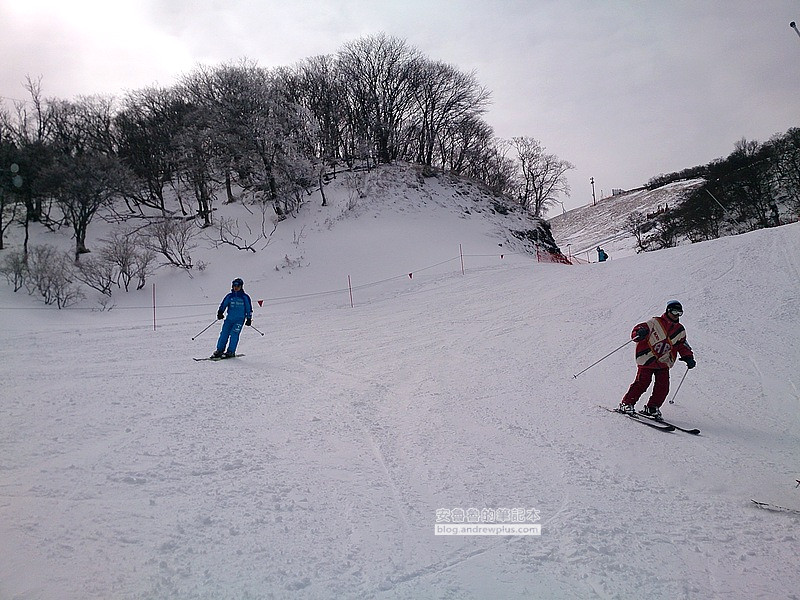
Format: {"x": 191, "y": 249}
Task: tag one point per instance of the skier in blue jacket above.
{"x": 240, "y": 312}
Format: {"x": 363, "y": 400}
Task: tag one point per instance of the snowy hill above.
{"x": 316, "y": 465}
{"x": 377, "y": 226}
{"x": 579, "y": 231}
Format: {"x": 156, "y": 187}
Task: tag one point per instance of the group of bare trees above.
{"x": 269, "y": 136}
{"x": 756, "y": 186}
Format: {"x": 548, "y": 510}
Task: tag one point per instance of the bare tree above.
{"x": 147, "y": 128}
{"x": 97, "y": 273}
{"x": 377, "y": 72}
{"x": 543, "y": 176}
{"x": 84, "y": 172}
{"x": 230, "y": 233}
{"x": 29, "y": 131}
{"x": 130, "y": 260}
{"x": 195, "y": 147}
{"x": 10, "y": 182}
{"x": 489, "y": 162}
{"x": 50, "y": 275}
{"x": 82, "y": 184}
{"x": 442, "y": 95}
{"x": 748, "y": 183}
{"x": 638, "y": 225}
{"x": 14, "y": 268}
{"x": 787, "y": 166}
{"x": 173, "y": 239}
{"x": 82, "y": 126}
{"x": 258, "y": 133}
{"x": 316, "y": 84}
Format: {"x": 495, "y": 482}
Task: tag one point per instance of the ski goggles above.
{"x": 675, "y": 311}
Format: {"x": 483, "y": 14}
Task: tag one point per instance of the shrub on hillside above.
{"x": 50, "y": 274}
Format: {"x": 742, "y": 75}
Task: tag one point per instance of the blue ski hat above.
{"x": 238, "y": 281}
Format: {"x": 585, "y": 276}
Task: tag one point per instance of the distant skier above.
{"x": 240, "y": 312}
{"x": 659, "y": 341}
{"x": 601, "y": 255}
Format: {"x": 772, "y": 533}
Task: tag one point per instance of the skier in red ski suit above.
{"x": 659, "y": 341}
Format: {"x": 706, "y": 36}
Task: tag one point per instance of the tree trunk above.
{"x": 321, "y": 191}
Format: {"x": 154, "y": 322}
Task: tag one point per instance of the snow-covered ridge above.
{"x": 377, "y": 224}
{"x": 604, "y": 224}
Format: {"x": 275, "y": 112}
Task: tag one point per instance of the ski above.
{"x": 775, "y": 507}
{"x": 217, "y": 358}
{"x": 653, "y": 424}
{"x": 694, "y": 431}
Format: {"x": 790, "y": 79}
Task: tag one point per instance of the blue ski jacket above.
{"x": 239, "y": 306}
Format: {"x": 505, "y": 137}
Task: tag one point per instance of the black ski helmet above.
{"x": 674, "y": 305}
{"x": 238, "y": 281}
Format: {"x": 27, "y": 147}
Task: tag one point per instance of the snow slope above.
{"x": 580, "y": 230}
{"x": 314, "y": 466}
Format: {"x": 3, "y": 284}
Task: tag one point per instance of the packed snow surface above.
{"x": 315, "y": 465}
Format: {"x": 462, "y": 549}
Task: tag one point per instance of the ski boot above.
{"x": 653, "y": 412}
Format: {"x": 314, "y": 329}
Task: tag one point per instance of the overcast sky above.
{"x": 623, "y": 89}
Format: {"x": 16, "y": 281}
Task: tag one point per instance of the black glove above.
{"x": 248, "y": 322}
{"x": 690, "y": 362}
{"x": 220, "y": 315}
{"x": 641, "y": 333}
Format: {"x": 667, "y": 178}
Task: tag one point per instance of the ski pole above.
{"x": 261, "y": 332}
{"x": 204, "y": 330}
{"x": 605, "y": 357}
{"x": 679, "y": 387}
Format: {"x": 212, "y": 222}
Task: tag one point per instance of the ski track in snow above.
{"x": 313, "y": 466}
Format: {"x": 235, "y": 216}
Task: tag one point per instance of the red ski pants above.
{"x": 642, "y": 382}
